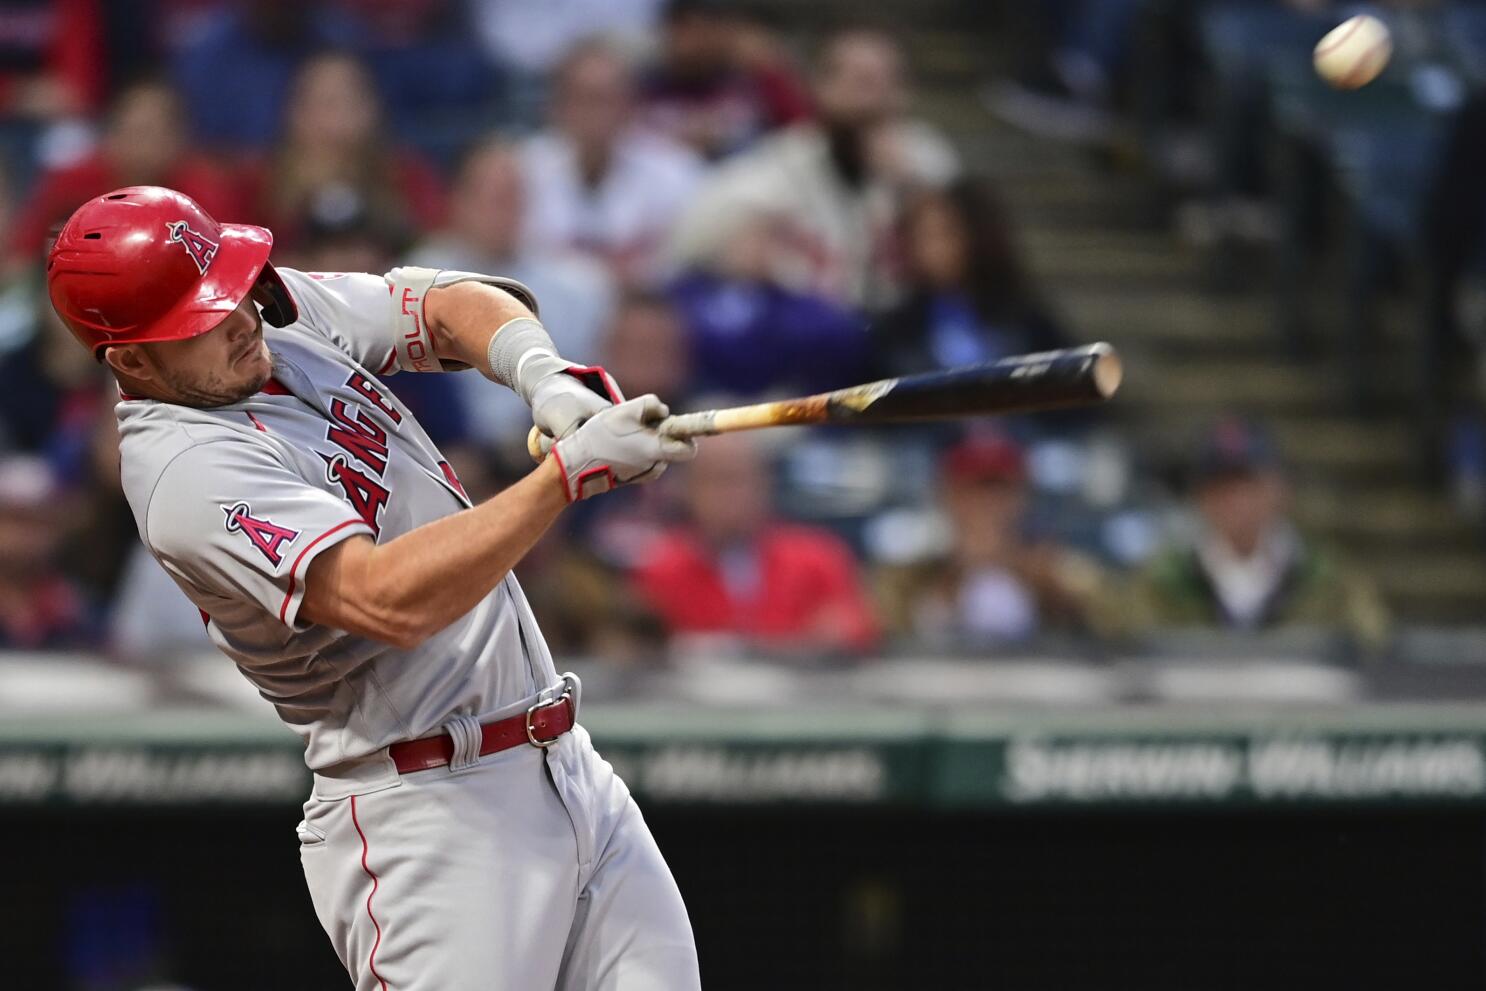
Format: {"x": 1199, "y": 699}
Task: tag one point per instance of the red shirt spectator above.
{"x": 145, "y": 144}
{"x": 737, "y": 572}
{"x": 792, "y": 586}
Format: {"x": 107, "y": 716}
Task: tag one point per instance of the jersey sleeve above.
{"x": 351, "y": 310}
{"x": 378, "y": 320}
{"x": 233, "y": 520}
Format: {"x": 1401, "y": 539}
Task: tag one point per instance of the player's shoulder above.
{"x": 321, "y": 287}
{"x": 167, "y": 446}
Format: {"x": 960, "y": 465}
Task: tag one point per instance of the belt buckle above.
{"x": 531, "y": 736}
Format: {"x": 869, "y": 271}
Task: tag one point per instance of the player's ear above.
{"x": 129, "y": 361}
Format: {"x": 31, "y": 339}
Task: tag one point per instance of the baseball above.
{"x": 1354, "y": 53}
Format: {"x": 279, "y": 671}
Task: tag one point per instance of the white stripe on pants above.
{"x": 529, "y": 869}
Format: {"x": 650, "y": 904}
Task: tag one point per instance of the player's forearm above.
{"x": 463, "y": 317}
{"x": 408, "y": 589}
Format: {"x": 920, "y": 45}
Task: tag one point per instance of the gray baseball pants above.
{"x": 528, "y": 869}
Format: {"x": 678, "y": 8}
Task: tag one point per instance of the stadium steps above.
{"x": 1110, "y": 273}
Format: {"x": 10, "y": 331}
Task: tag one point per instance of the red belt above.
{"x": 539, "y": 726}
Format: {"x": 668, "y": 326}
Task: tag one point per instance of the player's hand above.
{"x": 618, "y": 446}
{"x": 564, "y": 401}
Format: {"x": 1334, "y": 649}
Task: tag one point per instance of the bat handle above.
{"x": 539, "y": 445}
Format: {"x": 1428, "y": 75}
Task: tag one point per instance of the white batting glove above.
{"x": 618, "y": 446}
{"x": 563, "y": 401}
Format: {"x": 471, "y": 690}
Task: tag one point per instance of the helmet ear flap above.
{"x": 269, "y": 292}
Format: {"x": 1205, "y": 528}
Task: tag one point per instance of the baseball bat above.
{"x": 1024, "y": 383}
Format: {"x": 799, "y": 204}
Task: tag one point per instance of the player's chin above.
{"x": 253, "y": 372}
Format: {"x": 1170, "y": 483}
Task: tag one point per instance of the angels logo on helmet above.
{"x": 201, "y": 248}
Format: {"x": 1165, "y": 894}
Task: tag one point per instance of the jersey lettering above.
{"x": 359, "y": 437}
{"x": 202, "y": 249}
{"x": 367, "y": 496}
{"x": 361, "y": 384}
{"x": 264, "y": 534}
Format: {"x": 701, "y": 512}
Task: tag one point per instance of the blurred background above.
{"x": 1183, "y": 692}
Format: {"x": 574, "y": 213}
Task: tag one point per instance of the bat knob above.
{"x": 538, "y": 445}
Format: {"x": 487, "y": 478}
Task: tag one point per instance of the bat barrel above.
{"x": 1025, "y": 383}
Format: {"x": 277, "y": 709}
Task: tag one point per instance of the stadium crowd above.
{"x": 710, "y": 213}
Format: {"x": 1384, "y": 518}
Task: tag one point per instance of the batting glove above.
{"x": 563, "y": 401}
{"x": 618, "y": 446}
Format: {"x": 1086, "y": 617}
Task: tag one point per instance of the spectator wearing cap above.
{"x": 707, "y": 90}
{"x": 1247, "y": 568}
{"x": 40, "y": 609}
{"x": 992, "y": 582}
{"x": 735, "y": 574}
{"x": 145, "y": 142}
{"x": 597, "y": 182}
{"x": 835, "y": 184}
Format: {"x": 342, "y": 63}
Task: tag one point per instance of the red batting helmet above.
{"x": 147, "y": 264}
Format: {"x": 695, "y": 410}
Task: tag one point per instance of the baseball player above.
{"x": 462, "y": 832}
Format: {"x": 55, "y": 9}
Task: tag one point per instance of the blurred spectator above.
{"x": 145, "y": 142}
{"x": 487, "y": 218}
{"x": 48, "y": 387}
{"x": 704, "y": 93}
{"x": 534, "y": 38}
{"x": 762, "y": 54}
{"x": 236, "y": 67}
{"x": 969, "y": 296}
{"x": 1247, "y": 568}
{"x": 646, "y": 349}
{"x": 52, "y": 58}
{"x": 485, "y": 234}
{"x": 748, "y": 335}
{"x": 101, "y": 532}
{"x": 835, "y": 186}
{"x": 993, "y": 583}
{"x": 39, "y": 607}
{"x": 737, "y": 574}
{"x": 598, "y": 183}
{"x": 334, "y": 147}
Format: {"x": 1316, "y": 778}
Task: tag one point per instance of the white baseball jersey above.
{"x": 236, "y": 501}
